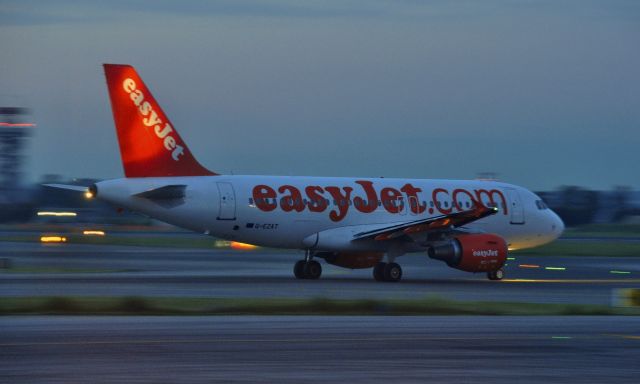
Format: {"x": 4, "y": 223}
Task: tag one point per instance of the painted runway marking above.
{"x": 574, "y": 281}
{"x": 268, "y": 340}
{"x": 628, "y": 337}
{"x": 304, "y": 340}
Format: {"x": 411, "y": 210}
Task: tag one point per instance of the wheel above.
{"x": 496, "y": 275}
{"x": 378, "y": 271}
{"x": 312, "y": 270}
{"x": 392, "y": 272}
{"x": 298, "y": 269}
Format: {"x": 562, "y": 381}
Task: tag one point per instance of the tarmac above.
{"x": 317, "y": 349}
{"x": 90, "y": 270}
{"x": 310, "y": 349}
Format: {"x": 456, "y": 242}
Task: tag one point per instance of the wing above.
{"x": 450, "y": 221}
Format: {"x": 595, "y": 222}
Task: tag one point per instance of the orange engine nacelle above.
{"x": 472, "y": 253}
{"x": 352, "y": 260}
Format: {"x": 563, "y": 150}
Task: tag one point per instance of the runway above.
{"x": 308, "y": 349}
{"x": 292, "y": 349}
{"x": 90, "y": 270}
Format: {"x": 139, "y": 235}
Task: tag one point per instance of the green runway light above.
{"x": 555, "y": 268}
{"x": 561, "y": 337}
{"x": 511, "y": 258}
{"x": 620, "y": 272}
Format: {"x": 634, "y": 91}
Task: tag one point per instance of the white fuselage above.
{"x": 323, "y": 213}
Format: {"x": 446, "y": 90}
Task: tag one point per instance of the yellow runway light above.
{"x": 57, "y": 214}
{"x": 53, "y": 239}
{"x": 221, "y": 244}
{"x": 93, "y": 233}
{"x": 242, "y": 246}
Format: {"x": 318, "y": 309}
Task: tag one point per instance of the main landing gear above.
{"x": 391, "y": 272}
{"x": 307, "y": 268}
{"x": 496, "y": 275}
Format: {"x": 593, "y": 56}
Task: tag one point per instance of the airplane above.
{"x": 471, "y": 225}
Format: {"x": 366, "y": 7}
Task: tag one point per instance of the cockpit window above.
{"x": 541, "y": 205}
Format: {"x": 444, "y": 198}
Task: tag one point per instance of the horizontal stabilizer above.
{"x": 77, "y": 188}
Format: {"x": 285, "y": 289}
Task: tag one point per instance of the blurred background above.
{"x": 542, "y": 94}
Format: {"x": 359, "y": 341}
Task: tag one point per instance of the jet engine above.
{"x": 352, "y": 260}
{"x": 472, "y": 253}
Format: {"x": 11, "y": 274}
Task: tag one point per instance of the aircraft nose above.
{"x": 557, "y": 225}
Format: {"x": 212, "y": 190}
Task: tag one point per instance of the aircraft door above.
{"x": 515, "y": 206}
{"x": 227, "y": 202}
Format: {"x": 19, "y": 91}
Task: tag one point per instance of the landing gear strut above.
{"x": 307, "y": 268}
{"x": 496, "y": 275}
{"x": 391, "y": 272}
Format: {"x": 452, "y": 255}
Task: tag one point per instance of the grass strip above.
{"x": 61, "y": 270}
{"x": 604, "y": 230}
{"x": 189, "y": 241}
{"x": 584, "y": 248}
{"x": 270, "y": 306}
{"x": 141, "y": 241}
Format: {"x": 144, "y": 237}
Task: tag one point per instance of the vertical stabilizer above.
{"x": 149, "y": 144}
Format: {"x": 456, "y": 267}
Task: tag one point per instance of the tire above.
{"x": 392, "y": 272}
{"x": 378, "y": 271}
{"x": 312, "y": 270}
{"x": 298, "y": 269}
{"x": 496, "y": 275}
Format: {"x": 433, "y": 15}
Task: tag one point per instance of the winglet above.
{"x": 149, "y": 144}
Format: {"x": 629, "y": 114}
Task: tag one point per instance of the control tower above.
{"x": 15, "y": 129}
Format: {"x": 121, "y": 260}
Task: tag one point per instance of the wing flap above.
{"x": 453, "y": 220}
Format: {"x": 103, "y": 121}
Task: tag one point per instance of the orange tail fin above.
{"x": 149, "y": 145}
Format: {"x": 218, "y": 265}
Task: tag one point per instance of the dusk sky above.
{"x": 544, "y": 93}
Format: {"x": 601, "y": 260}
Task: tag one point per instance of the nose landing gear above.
{"x": 496, "y": 275}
